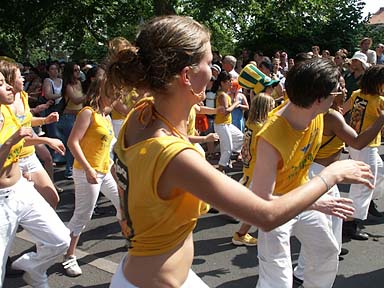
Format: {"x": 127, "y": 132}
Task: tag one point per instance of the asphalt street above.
{"x": 217, "y": 261}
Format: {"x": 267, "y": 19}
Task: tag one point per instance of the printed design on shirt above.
{"x": 246, "y": 149}
{"x": 122, "y": 180}
{"x": 308, "y": 154}
{"x": 358, "y": 112}
{"x": 104, "y": 141}
{"x": 14, "y": 153}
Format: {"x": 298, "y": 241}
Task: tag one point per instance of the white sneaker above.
{"x": 71, "y": 267}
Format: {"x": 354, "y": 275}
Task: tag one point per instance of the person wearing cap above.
{"x": 365, "y": 44}
{"x": 286, "y": 147}
{"x": 357, "y": 68}
{"x": 254, "y": 79}
{"x": 216, "y": 69}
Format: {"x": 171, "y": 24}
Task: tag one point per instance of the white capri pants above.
{"x": 231, "y": 139}
{"x": 336, "y": 222}
{"x": 116, "y": 124}
{"x": 119, "y": 280}
{"x": 86, "y": 197}
{"x": 361, "y": 194}
{"x": 318, "y": 245}
{"x": 22, "y": 204}
{"x": 30, "y": 164}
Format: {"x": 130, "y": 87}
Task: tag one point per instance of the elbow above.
{"x": 357, "y": 146}
{"x": 269, "y": 224}
{"x": 70, "y": 145}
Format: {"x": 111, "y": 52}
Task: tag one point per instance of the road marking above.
{"x": 100, "y": 263}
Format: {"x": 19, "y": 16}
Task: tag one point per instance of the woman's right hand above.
{"x": 348, "y": 171}
{"x": 91, "y": 175}
{"x": 20, "y": 134}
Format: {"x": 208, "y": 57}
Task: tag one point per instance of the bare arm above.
{"x": 70, "y": 93}
{"x": 208, "y": 184}
{"x": 209, "y": 111}
{"x": 47, "y": 89}
{"x": 14, "y": 139}
{"x": 347, "y": 105}
{"x": 120, "y": 107}
{"x": 82, "y": 123}
{"x": 53, "y": 143}
{"x": 223, "y": 101}
{"x": 245, "y": 105}
{"x": 335, "y": 121}
{"x": 51, "y": 118}
{"x": 211, "y": 137}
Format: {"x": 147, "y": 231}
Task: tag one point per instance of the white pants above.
{"x": 336, "y": 222}
{"x": 116, "y": 124}
{"x": 86, "y": 197}
{"x": 231, "y": 139}
{"x": 22, "y": 204}
{"x": 361, "y": 194}
{"x": 30, "y": 164}
{"x": 318, "y": 244}
{"x": 119, "y": 280}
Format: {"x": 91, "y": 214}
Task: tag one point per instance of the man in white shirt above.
{"x": 365, "y": 44}
{"x": 229, "y": 64}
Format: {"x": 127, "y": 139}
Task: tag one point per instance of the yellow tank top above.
{"x": 364, "y": 113}
{"x": 297, "y": 149}
{"x": 330, "y": 145}
{"x": 96, "y": 142}
{"x": 72, "y": 106}
{"x": 220, "y": 118}
{"x": 154, "y": 225}
{"x": 248, "y": 151}
{"x": 25, "y": 120}
{"x": 10, "y": 126}
{"x": 129, "y": 100}
{"x": 191, "y": 122}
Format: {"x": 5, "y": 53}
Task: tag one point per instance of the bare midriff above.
{"x": 10, "y": 175}
{"x": 169, "y": 269}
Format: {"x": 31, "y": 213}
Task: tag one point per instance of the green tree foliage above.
{"x": 35, "y": 29}
{"x": 296, "y": 25}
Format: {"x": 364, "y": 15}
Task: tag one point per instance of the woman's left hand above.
{"x": 57, "y": 145}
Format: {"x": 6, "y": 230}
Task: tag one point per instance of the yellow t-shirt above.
{"x": 248, "y": 151}
{"x": 364, "y": 113}
{"x": 96, "y": 142}
{"x": 297, "y": 148}
{"x": 154, "y": 225}
{"x": 330, "y": 145}
{"x": 221, "y": 118}
{"x": 25, "y": 120}
{"x": 10, "y": 126}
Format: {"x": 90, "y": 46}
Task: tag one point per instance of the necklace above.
{"x": 170, "y": 126}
